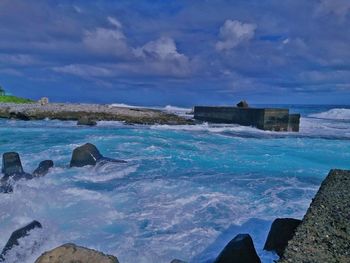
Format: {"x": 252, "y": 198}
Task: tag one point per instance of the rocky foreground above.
{"x": 94, "y": 112}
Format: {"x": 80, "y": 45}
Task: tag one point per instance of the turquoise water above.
{"x": 185, "y": 191}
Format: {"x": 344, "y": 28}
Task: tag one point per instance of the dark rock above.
{"x": 86, "y": 121}
{"x": 282, "y": 230}
{"x": 11, "y": 164}
{"x": 43, "y": 168}
{"x": 242, "y": 104}
{"x": 20, "y": 233}
{"x": 239, "y": 250}
{"x": 73, "y": 253}
{"x": 87, "y": 154}
{"x": 177, "y": 261}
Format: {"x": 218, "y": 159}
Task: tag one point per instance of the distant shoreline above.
{"x": 97, "y": 112}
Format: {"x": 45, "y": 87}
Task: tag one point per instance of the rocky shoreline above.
{"x": 95, "y": 112}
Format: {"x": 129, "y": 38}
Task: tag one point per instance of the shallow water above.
{"x": 185, "y": 191}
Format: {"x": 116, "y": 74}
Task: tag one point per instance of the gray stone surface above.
{"x": 324, "y": 234}
{"x": 86, "y": 121}
{"x": 98, "y": 112}
{"x": 71, "y": 253}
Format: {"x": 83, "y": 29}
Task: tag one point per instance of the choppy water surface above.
{"x": 185, "y": 191}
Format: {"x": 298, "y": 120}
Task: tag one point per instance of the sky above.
{"x": 177, "y": 52}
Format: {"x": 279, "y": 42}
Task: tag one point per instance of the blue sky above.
{"x": 181, "y": 52}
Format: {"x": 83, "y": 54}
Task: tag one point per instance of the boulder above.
{"x": 43, "y": 168}
{"x": 11, "y": 164}
{"x": 88, "y": 154}
{"x": 177, "y": 261}
{"x": 86, "y": 121}
{"x": 239, "y": 250}
{"x": 242, "y": 104}
{"x": 20, "y": 233}
{"x": 84, "y": 155}
{"x": 73, "y": 253}
{"x": 282, "y": 230}
{"x": 12, "y": 167}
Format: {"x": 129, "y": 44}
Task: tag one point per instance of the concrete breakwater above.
{"x": 261, "y": 118}
{"x": 69, "y": 111}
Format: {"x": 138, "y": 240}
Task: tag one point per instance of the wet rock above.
{"x": 12, "y": 167}
{"x": 88, "y": 154}
{"x": 73, "y": 253}
{"x": 282, "y": 230}
{"x": 86, "y": 121}
{"x": 43, "y": 168}
{"x": 84, "y": 155}
{"x": 242, "y": 104}
{"x": 239, "y": 250}
{"x": 20, "y": 233}
{"x": 11, "y": 164}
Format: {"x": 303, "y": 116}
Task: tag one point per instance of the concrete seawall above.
{"x": 264, "y": 118}
{"x": 324, "y": 234}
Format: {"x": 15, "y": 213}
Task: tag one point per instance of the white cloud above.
{"x": 85, "y": 71}
{"x": 107, "y": 41}
{"x": 234, "y": 32}
{"x": 115, "y": 22}
{"x": 161, "y": 56}
{"x": 337, "y": 7}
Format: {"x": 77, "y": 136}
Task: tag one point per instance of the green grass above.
{"x": 14, "y": 99}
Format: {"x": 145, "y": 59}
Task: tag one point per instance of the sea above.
{"x": 184, "y": 192}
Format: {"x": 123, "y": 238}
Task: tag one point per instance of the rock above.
{"x": 242, "y": 104}
{"x": 73, "y": 253}
{"x": 86, "y": 121}
{"x": 88, "y": 154}
{"x": 239, "y": 250}
{"x": 43, "y": 101}
{"x": 11, "y": 164}
{"x": 282, "y": 230}
{"x": 20, "y": 233}
{"x": 43, "y": 168}
{"x": 177, "y": 261}
{"x": 323, "y": 235}
{"x": 12, "y": 167}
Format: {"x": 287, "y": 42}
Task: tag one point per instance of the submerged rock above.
{"x": 86, "y": 121}
{"x": 239, "y": 250}
{"x": 73, "y": 253}
{"x": 43, "y": 168}
{"x": 12, "y": 167}
{"x": 88, "y": 154}
{"x": 282, "y": 230}
{"x": 242, "y": 104}
{"x": 16, "y": 235}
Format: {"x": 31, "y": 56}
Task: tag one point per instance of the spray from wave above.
{"x": 333, "y": 114}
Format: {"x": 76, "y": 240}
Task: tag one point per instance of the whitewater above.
{"x": 184, "y": 192}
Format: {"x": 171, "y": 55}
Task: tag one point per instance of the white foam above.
{"x": 333, "y": 114}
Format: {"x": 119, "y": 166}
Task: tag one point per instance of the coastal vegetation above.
{"x": 6, "y": 98}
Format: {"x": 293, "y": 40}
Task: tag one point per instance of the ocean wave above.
{"x": 333, "y": 114}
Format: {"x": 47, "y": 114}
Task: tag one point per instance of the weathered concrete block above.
{"x": 323, "y": 235}
{"x": 264, "y": 119}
